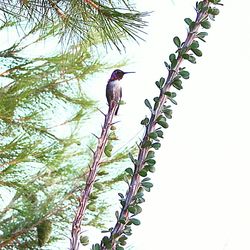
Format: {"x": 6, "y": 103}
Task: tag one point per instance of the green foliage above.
{"x": 177, "y": 41}
{"x": 78, "y": 20}
{"x": 84, "y": 240}
{"x": 44, "y": 230}
{"x": 43, "y": 155}
{"x": 147, "y": 103}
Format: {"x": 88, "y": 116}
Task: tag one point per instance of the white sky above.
{"x": 201, "y": 194}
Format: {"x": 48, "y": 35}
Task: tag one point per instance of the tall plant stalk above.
{"x": 91, "y": 176}
{"x": 144, "y": 163}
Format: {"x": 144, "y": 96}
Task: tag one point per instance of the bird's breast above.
{"x": 114, "y": 84}
{"x": 114, "y": 90}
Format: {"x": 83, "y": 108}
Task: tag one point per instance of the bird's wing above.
{"x": 109, "y": 93}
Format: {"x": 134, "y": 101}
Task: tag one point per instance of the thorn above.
{"x": 95, "y": 136}
{"x": 91, "y": 149}
{"x": 100, "y": 111}
{"x": 114, "y": 123}
{"x": 89, "y": 167}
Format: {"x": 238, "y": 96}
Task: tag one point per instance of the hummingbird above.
{"x": 114, "y": 89}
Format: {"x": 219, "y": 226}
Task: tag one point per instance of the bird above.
{"x": 114, "y": 89}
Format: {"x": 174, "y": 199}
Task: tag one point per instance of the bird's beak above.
{"x": 129, "y": 72}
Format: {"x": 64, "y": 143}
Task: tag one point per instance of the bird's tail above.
{"x": 112, "y": 106}
{"x": 116, "y": 112}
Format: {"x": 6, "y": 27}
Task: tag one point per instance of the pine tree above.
{"x": 80, "y": 20}
{"x": 43, "y": 157}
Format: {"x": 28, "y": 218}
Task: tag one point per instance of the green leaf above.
{"x": 192, "y": 59}
{"x": 151, "y": 169}
{"x": 98, "y": 185}
{"x": 173, "y": 64}
{"x": 159, "y": 133}
{"x": 147, "y": 184}
{"x": 112, "y": 136}
{"x": 129, "y": 171}
{"x": 162, "y": 80}
{"x": 146, "y": 179}
{"x": 132, "y": 209}
{"x": 143, "y": 173}
{"x": 215, "y": 1}
{"x": 156, "y": 145}
{"x": 172, "y": 100}
{"x": 127, "y": 230}
{"x": 167, "y": 113}
{"x": 91, "y": 207}
{"x": 184, "y": 74}
{"x": 197, "y": 52}
{"x": 214, "y": 11}
{"x": 157, "y": 83}
{"x": 206, "y": 24}
{"x": 153, "y": 135}
{"x": 84, "y": 240}
{"x": 188, "y": 21}
{"x": 119, "y": 247}
{"x": 151, "y": 154}
{"x": 161, "y": 120}
{"x": 102, "y": 172}
{"x": 177, "y": 83}
{"x": 121, "y": 102}
{"x": 168, "y": 94}
{"x": 191, "y": 26}
{"x": 173, "y": 94}
{"x": 123, "y": 238}
{"x": 202, "y": 34}
{"x": 112, "y": 127}
{"x": 136, "y": 209}
{"x": 172, "y": 57}
{"x": 108, "y": 150}
{"x": 150, "y": 162}
{"x": 96, "y": 247}
{"x": 185, "y": 56}
{"x": 146, "y": 144}
{"x": 167, "y": 65}
{"x": 135, "y": 221}
{"x": 156, "y": 100}
{"x": 163, "y": 124}
{"x": 122, "y": 220}
{"x": 173, "y": 60}
{"x": 147, "y": 103}
{"x": 145, "y": 121}
{"x": 122, "y": 243}
{"x": 93, "y": 196}
{"x": 177, "y": 41}
{"x": 194, "y": 45}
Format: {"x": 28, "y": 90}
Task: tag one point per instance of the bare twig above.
{"x": 59, "y": 12}
{"x": 92, "y": 4}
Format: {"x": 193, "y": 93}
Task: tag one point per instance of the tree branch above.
{"x": 59, "y": 12}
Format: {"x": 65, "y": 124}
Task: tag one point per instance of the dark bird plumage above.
{"x": 113, "y": 89}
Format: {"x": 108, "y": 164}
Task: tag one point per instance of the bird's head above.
{"x": 118, "y": 74}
